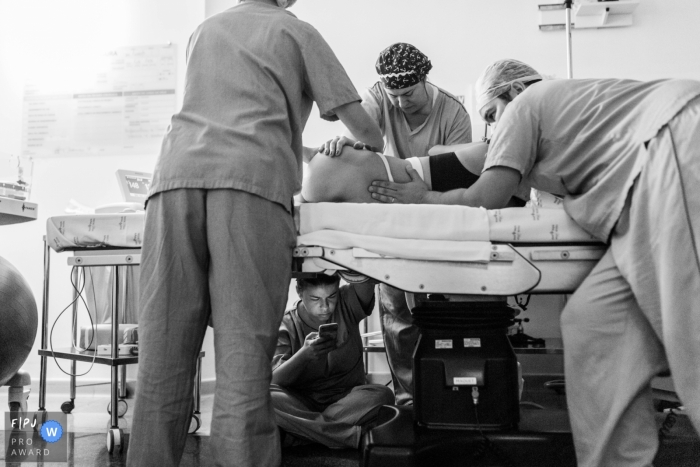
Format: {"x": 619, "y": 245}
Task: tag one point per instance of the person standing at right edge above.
{"x": 413, "y": 115}
{"x": 625, "y": 157}
{"x": 219, "y": 231}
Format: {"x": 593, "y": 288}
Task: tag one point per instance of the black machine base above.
{"x": 543, "y": 439}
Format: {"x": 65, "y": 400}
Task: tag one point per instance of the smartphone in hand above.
{"x": 329, "y": 330}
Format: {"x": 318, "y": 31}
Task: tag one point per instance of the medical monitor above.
{"x": 134, "y": 185}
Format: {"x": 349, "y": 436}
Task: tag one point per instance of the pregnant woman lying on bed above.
{"x": 345, "y": 178}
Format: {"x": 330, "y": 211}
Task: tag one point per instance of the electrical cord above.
{"x": 79, "y": 294}
{"x": 522, "y": 304}
{"x": 94, "y": 300}
{"x": 669, "y": 422}
{"x": 486, "y": 444}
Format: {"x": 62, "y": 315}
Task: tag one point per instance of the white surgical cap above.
{"x": 495, "y": 78}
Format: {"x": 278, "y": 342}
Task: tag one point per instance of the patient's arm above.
{"x": 471, "y": 155}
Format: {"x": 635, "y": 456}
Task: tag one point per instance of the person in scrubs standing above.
{"x": 414, "y": 116}
{"x": 625, "y": 156}
{"x": 219, "y": 230}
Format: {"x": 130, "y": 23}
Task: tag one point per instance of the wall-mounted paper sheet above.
{"x": 120, "y": 106}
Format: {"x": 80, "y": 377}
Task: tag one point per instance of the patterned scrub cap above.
{"x": 401, "y": 65}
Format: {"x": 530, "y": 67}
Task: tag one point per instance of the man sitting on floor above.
{"x": 319, "y": 390}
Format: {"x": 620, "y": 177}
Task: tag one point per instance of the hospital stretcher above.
{"x": 457, "y": 252}
{"x": 471, "y": 260}
{"x": 98, "y": 240}
{"x": 504, "y": 253}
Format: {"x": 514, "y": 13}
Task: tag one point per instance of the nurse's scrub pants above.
{"x": 638, "y": 312}
{"x": 400, "y": 339}
{"x": 225, "y": 254}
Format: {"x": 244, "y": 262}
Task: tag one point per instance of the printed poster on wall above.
{"x": 121, "y": 106}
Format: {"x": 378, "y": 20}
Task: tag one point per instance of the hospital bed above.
{"x": 449, "y": 256}
{"x": 98, "y": 241}
{"x": 458, "y": 265}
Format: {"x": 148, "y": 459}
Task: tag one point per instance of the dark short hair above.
{"x": 321, "y": 279}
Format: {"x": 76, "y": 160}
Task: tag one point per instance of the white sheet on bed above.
{"x": 429, "y": 250}
{"x": 408, "y": 221}
{"x": 455, "y": 223}
{"x": 534, "y": 224}
{"x": 95, "y": 230}
{"x": 424, "y": 232}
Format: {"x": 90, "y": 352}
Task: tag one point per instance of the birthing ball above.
{"x": 18, "y": 320}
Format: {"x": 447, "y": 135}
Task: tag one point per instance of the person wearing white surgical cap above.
{"x": 219, "y": 229}
{"x": 625, "y": 156}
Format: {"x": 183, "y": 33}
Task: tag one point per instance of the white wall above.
{"x": 43, "y": 36}
{"x": 460, "y": 37}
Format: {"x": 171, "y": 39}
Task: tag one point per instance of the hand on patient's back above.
{"x": 333, "y": 147}
{"x": 318, "y": 347}
{"x": 412, "y": 192}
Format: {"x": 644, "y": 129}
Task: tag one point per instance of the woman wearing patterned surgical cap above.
{"x": 414, "y": 115}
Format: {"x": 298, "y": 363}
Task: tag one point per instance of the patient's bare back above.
{"x": 345, "y": 178}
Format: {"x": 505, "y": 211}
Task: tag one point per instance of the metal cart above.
{"x": 119, "y": 259}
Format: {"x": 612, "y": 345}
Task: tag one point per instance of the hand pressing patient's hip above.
{"x": 316, "y": 347}
{"x": 413, "y": 192}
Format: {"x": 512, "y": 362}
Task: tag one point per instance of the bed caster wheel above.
{"x": 195, "y": 424}
{"x": 122, "y": 407}
{"x": 115, "y": 440}
{"x": 67, "y": 407}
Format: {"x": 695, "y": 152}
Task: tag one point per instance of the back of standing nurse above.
{"x": 219, "y": 233}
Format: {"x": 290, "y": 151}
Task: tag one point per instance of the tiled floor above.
{"x": 90, "y": 420}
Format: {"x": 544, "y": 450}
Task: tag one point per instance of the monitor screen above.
{"x": 134, "y": 185}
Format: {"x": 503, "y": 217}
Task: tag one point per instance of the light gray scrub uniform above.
{"x": 219, "y": 234}
{"x": 330, "y": 399}
{"x": 447, "y": 124}
{"x": 625, "y": 155}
